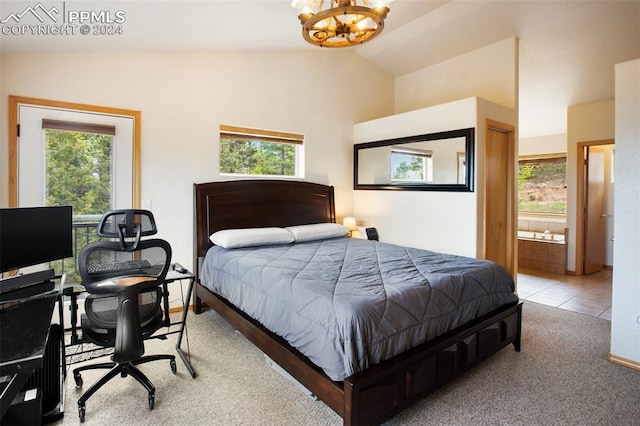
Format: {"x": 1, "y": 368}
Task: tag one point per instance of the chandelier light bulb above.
{"x": 323, "y": 24}
{"x": 380, "y": 4}
{"x": 305, "y": 6}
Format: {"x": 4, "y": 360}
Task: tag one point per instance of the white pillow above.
{"x": 248, "y": 237}
{"x": 317, "y": 231}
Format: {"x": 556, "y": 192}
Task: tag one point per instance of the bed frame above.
{"x": 378, "y": 393}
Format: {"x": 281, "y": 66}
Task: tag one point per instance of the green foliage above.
{"x": 556, "y": 207}
{"x": 257, "y": 158}
{"x": 525, "y": 172}
{"x": 542, "y": 186}
{"x": 79, "y": 174}
{"x": 79, "y": 171}
{"x": 414, "y": 170}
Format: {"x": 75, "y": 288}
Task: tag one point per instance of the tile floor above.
{"x": 587, "y": 294}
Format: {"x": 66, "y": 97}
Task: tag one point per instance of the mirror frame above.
{"x": 469, "y": 136}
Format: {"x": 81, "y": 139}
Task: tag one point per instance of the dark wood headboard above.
{"x": 258, "y": 203}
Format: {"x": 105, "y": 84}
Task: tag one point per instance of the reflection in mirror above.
{"x": 437, "y": 162}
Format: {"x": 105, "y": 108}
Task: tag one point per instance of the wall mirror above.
{"x": 440, "y": 161}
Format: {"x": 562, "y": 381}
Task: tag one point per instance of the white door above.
{"x": 595, "y": 212}
{"x": 31, "y": 152}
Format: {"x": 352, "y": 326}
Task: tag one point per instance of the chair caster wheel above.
{"x": 81, "y": 411}
{"x": 78, "y": 379}
{"x": 151, "y": 401}
{"x": 174, "y": 367}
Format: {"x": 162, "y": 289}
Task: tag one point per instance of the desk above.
{"x": 174, "y": 276}
{"x": 24, "y": 327}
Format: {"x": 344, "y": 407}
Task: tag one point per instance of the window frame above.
{"x": 270, "y": 136}
{"x": 16, "y": 101}
{"x": 533, "y": 157}
{"x": 427, "y": 164}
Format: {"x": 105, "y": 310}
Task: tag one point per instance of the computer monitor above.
{"x": 34, "y": 235}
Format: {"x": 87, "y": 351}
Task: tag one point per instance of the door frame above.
{"x": 580, "y": 221}
{"x": 512, "y": 195}
{"x": 16, "y": 101}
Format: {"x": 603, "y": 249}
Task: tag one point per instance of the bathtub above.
{"x": 541, "y": 236}
{"x": 542, "y": 251}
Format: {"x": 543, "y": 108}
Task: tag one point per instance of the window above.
{"x": 542, "y": 184}
{"x": 260, "y": 152}
{"x": 411, "y": 165}
{"x": 78, "y": 162}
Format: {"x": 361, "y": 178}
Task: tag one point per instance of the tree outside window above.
{"x": 79, "y": 173}
{"x": 255, "y": 157}
{"x": 411, "y": 166}
{"x": 246, "y": 151}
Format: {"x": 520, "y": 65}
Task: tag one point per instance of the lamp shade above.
{"x": 350, "y": 223}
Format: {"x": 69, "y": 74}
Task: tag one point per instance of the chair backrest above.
{"x": 126, "y": 254}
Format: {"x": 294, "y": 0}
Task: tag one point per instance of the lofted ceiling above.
{"x": 568, "y": 49}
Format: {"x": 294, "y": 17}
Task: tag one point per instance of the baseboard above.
{"x": 624, "y": 361}
{"x": 174, "y": 309}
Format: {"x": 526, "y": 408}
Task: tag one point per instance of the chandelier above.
{"x": 343, "y": 23}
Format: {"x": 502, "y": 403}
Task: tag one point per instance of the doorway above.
{"x": 500, "y": 196}
{"x": 594, "y": 218}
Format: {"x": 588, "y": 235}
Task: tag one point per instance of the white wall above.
{"x": 439, "y": 221}
{"x": 585, "y": 123}
{"x": 490, "y": 73}
{"x": 548, "y": 144}
{"x": 625, "y": 330}
{"x": 185, "y": 96}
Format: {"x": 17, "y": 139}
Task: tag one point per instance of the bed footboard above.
{"x": 382, "y": 391}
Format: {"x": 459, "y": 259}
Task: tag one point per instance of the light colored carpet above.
{"x": 560, "y": 377}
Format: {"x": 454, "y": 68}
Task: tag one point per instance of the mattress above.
{"x": 348, "y": 303}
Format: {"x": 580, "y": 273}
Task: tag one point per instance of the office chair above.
{"x": 123, "y": 278}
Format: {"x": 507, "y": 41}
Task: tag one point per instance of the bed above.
{"x": 365, "y": 389}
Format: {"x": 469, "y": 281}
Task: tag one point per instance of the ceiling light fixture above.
{"x": 343, "y": 23}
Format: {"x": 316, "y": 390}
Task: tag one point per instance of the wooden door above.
{"x": 594, "y": 225}
{"x": 498, "y": 181}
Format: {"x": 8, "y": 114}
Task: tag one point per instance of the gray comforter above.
{"x": 348, "y": 303}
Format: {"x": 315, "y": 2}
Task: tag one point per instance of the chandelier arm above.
{"x": 342, "y": 32}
